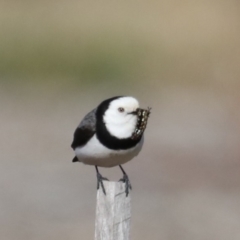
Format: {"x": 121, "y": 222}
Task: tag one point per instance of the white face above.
{"x": 119, "y": 120}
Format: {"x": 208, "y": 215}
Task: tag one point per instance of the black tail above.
{"x": 75, "y": 159}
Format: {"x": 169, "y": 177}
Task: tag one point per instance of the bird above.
{"x": 111, "y": 135}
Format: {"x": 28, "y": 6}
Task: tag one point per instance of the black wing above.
{"x": 85, "y": 130}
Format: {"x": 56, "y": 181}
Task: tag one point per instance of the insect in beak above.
{"x": 142, "y": 118}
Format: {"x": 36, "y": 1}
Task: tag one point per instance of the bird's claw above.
{"x": 100, "y": 179}
{"x": 128, "y": 185}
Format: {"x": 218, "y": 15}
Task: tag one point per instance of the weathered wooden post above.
{"x": 113, "y": 212}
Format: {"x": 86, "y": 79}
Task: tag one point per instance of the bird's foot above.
{"x": 128, "y": 185}
{"x": 100, "y": 179}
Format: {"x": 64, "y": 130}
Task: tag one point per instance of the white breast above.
{"x": 94, "y": 153}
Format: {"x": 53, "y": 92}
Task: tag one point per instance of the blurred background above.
{"x": 59, "y": 59}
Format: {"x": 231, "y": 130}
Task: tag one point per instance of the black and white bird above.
{"x": 111, "y": 135}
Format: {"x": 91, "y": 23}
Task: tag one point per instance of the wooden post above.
{"x": 113, "y": 212}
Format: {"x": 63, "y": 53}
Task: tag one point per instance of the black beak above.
{"x": 133, "y": 112}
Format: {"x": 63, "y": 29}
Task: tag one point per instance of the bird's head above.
{"x": 121, "y": 117}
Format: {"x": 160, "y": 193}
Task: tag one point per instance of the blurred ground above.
{"x": 59, "y": 59}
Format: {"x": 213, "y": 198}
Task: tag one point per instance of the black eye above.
{"x": 121, "y": 109}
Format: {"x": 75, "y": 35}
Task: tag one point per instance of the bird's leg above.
{"x": 100, "y": 179}
{"x": 126, "y": 180}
